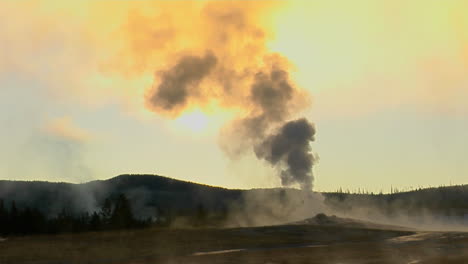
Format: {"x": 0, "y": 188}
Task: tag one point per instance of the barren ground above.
{"x": 298, "y": 243}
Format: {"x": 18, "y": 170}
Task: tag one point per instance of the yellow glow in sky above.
{"x": 195, "y": 121}
{"x": 388, "y": 81}
{"x": 357, "y": 57}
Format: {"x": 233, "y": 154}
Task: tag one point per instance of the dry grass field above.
{"x": 303, "y": 244}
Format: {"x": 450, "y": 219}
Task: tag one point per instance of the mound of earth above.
{"x": 333, "y": 220}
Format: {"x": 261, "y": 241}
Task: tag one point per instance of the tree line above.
{"x": 115, "y": 213}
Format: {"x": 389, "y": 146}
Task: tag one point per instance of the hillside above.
{"x": 143, "y": 190}
{"x": 450, "y": 201}
{"x": 153, "y": 196}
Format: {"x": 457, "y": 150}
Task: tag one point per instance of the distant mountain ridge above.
{"x": 153, "y": 193}
{"x": 142, "y": 190}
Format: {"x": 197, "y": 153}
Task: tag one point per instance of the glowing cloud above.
{"x": 64, "y": 128}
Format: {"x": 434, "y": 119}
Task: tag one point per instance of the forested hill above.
{"x": 443, "y": 201}
{"x": 146, "y": 192}
{"x": 150, "y": 193}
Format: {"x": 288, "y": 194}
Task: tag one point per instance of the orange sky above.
{"x": 387, "y": 79}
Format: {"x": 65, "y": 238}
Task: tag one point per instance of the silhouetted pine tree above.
{"x": 122, "y": 216}
{"x": 3, "y": 218}
{"x": 95, "y": 223}
{"x": 200, "y": 216}
{"x": 115, "y": 214}
{"x": 13, "y": 219}
{"x": 106, "y": 211}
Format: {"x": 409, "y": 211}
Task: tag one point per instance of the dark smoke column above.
{"x": 288, "y": 147}
{"x": 289, "y": 150}
{"x": 271, "y": 102}
{"x": 179, "y": 84}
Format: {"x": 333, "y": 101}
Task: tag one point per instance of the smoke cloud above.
{"x": 205, "y": 55}
{"x": 239, "y": 73}
{"x": 181, "y": 82}
{"x": 290, "y": 150}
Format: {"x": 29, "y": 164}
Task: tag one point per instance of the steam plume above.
{"x": 250, "y": 80}
{"x": 181, "y": 81}
{"x": 289, "y": 150}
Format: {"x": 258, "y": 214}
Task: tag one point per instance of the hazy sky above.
{"x": 388, "y": 82}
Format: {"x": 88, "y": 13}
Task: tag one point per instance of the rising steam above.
{"x": 250, "y": 80}
{"x": 289, "y": 150}
{"x": 181, "y": 82}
